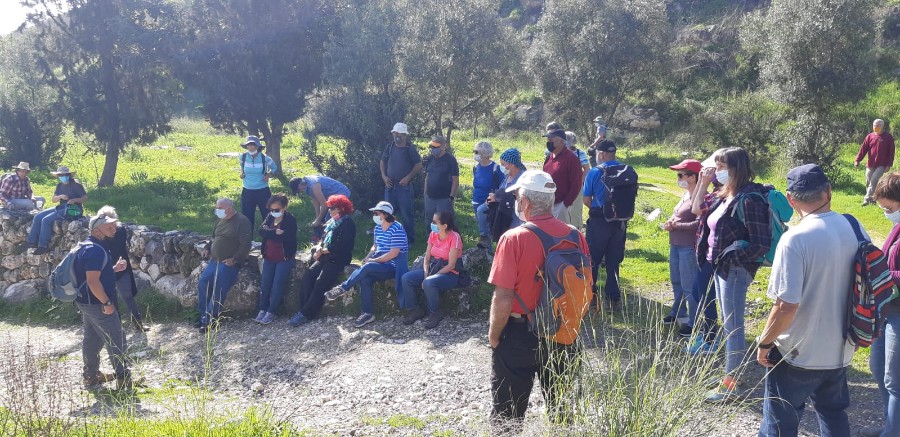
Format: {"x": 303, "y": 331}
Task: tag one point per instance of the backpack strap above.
{"x": 856, "y": 229}
{"x": 81, "y": 246}
{"x": 243, "y": 162}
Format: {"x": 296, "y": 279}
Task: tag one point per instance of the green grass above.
{"x": 155, "y": 307}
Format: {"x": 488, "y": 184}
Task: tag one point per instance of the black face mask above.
{"x": 550, "y": 146}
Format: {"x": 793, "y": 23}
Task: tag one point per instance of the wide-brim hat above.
{"x": 253, "y": 139}
{"x": 22, "y": 166}
{"x": 62, "y": 170}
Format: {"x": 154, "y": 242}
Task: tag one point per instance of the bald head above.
{"x": 227, "y": 205}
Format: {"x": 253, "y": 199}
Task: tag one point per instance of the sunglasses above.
{"x": 333, "y": 208}
{"x": 684, "y": 175}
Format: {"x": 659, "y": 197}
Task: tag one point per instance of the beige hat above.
{"x": 62, "y": 170}
{"x": 101, "y": 219}
{"x": 23, "y": 166}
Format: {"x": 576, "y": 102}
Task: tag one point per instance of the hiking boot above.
{"x": 259, "y": 316}
{"x": 433, "y": 320}
{"x": 298, "y": 319}
{"x": 669, "y": 320}
{"x": 871, "y": 431}
{"x": 41, "y": 251}
{"x": 29, "y": 246}
{"x": 267, "y": 318}
{"x": 413, "y": 315}
{"x": 685, "y": 331}
{"x": 129, "y": 383}
{"x": 363, "y": 320}
{"x": 98, "y": 380}
{"x": 335, "y": 293}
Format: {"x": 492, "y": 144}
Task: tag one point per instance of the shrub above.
{"x": 810, "y": 139}
{"x": 749, "y": 121}
{"x": 29, "y": 133}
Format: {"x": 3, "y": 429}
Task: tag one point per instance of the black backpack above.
{"x": 621, "y": 184}
{"x": 244, "y": 160}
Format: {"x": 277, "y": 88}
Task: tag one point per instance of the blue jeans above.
{"x": 682, "y": 273}
{"x": 788, "y": 387}
{"x": 275, "y": 277}
{"x": 481, "y": 219}
{"x": 215, "y": 281}
{"x": 42, "y": 227}
{"x": 432, "y": 285}
{"x": 884, "y": 362}
{"x": 732, "y": 296}
{"x": 401, "y": 198}
{"x": 704, "y": 301}
{"x": 366, "y": 276}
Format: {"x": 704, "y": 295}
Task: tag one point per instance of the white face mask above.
{"x": 253, "y": 153}
{"x": 220, "y": 213}
{"x": 477, "y": 157}
{"x": 520, "y": 214}
{"x": 683, "y": 184}
{"x": 377, "y": 219}
{"x": 504, "y": 170}
{"x": 722, "y": 176}
{"x": 894, "y": 217}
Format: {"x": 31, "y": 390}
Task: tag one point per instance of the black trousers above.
{"x": 319, "y": 278}
{"x": 253, "y": 199}
{"x": 516, "y": 360}
{"x": 606, "y": 241}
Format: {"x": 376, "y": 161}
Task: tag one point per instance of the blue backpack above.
{"x": 780, "y": 212}
{"x": 63, "y": 285}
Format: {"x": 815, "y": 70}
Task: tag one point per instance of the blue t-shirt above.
{"x": 392, "y": 238}
{"x": 253, "y": 170}
{"x": 486, "y": 179}
{"x": 593, "y": 184}
{"x": 91, "y": 258}
{"x": 330, "y": 187}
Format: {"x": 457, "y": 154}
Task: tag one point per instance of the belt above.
{"x": 518, "y": 318}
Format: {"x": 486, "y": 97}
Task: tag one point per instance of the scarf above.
{"x": 329, "y": 230}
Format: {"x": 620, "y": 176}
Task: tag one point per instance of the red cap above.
{"x": 691, "y": 165}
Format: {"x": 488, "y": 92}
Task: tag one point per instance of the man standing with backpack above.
{"x": 803, "y": 343}
{"x": 608, "y": 216}
{"x": 95, "y": 271}
{"x": 518, "y": 352}
{"x": 399, "y": 164}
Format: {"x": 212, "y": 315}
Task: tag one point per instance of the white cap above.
{"x": 534, "y": 180}
{"x": 400, "y": 128}
{"x": 383, "y": 207}
{"x": 711, "y": 161}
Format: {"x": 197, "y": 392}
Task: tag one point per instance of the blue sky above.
{"x": 11, "y": 16}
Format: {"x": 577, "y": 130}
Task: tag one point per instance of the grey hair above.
{"x": 810, "y": 196}
{"x": 108, "y": 211}
{"x": 878, "y": 122}
{"x": 226, "y": 202}
{"x": 571, "y": 139}
{"x": 541, "y": 203}
{"x": 484, "y": 148}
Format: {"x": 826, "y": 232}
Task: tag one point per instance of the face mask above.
{"x": 277, "y": 214}
{"x": 64, "y": 179}
{"x": 434, "y": 228}
{"x": 504, "y": 170}
{"x": 435, "y": 151}
{"x": 477, "y": 157}
{"x": 550, "y": 146}
{"x": 220, "y": 213}
{"x": 683, "y": 184}
{"x": 253, "y": 153}
{"x": 377, "y": 219}
{"x": 520, "y": 214}
{"x": 398, "y": 139}
{"x": 723, "y": 177}
{"x": 894, "y": 217}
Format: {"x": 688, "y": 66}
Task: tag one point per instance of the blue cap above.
{"x": 806, "y": 177}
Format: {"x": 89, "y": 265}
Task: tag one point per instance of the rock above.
{"x": 177, "y": 287}
{"x": 142, "y": 280}
{"x": 13, "y": 262}
{"x": 145, "y": 263}
{"x": 154, "y": 272}
{"x": 154, "y": 250}
{"x": 24, "y": 291}
{"x": 169, "y": 264}
{"x": 184, "y": 148}
{"x": 257, "y": 387}
{"x": 229, "y": 155}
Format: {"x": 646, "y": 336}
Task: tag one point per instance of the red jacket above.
{"x": 565, "y": 169}
{"x": 880, "y": 148}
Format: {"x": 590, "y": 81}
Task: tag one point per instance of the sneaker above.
{"x": 267, "y": 318}
{"x": 433, "y": 320}
{"x": 335, "y": 293}
{"x": 669, "y": 320}
{"x": 298, "y": 319}
{"x": 363, "y": 320}
{"x": 698, "y": 346}
{"x": 726, "y": 391}
{"x": 685, "y": 331}
{"x": 41, "y": 251}
{"x": 98, "y": 380}
{"x": 871, "y": 431}
{"x": 203, "y": 329}
{"x": 413, "y": 315}
{"x": 259, "y": 316}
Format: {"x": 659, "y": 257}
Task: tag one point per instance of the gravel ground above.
{"x": 326, "y": 376}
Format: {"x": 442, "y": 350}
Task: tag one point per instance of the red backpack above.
{"x": 872, "y": 288}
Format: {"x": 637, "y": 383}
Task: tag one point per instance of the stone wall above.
{"x": 168, "y": 261}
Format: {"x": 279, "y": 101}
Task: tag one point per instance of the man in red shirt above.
{"x": 518, "y": 354}
{"x": 565, "y": 169}
{"x": 879, "y": 145}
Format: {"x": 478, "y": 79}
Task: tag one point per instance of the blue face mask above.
{"x": 434, "y": 228}
{"x": 64, "y": 179}
{"x": 220, "y": 213}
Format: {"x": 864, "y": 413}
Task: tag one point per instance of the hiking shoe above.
{"x": 685, "y": 331}
{"x": 98, "y": 380}
{"x": 413, "y": 315}
{"x": 669, "y": 320}
{"x": 30, "y": 245}
{"x": 259, "y": 316}
{"x": 335, "y": 293}
{"x": 267, "y": 318}
{"x": 41, "y": 251}
{"x": 433, "y": 320}
{"x": 298, "y": 319}
{"x": 363, "y": 320}
{"x": 871, "y": 431}
{"x": 697, "y": 346}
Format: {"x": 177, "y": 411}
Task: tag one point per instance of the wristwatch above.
{"x": 107, "y": 304}
{"x": 765, "y": 346}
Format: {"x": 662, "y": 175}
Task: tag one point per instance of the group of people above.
{"x": 719, "y": 232}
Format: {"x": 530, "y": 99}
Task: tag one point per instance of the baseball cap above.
{"x": 534, "y": 180}
{"x": 555, "y": 133}
{"x": 691, "y": 165}
{"x": 400, "y": 128}
{"x": 383, "y": 206}
{"x": 101, "y": 219}
{"x": 806, "y": 177}
{"x": 606, "y": 146}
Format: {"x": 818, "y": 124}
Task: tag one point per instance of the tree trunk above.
{"x": 108, "y": 178}
{"x": 273, "y": 143}
{"x": 449, "y": 132}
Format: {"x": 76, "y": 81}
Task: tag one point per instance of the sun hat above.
{"x": 22, "y": 166}
{"x": 383, "y": 206}
{"x": 400, "y": 128}
{"x": 253, "y": 139}
{"x": 62, "y": 170}
{"x": 534, "y": 180}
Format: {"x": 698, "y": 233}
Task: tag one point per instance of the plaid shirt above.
{"x": 14, "y": 187}
{"x": 754, "y": 231}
